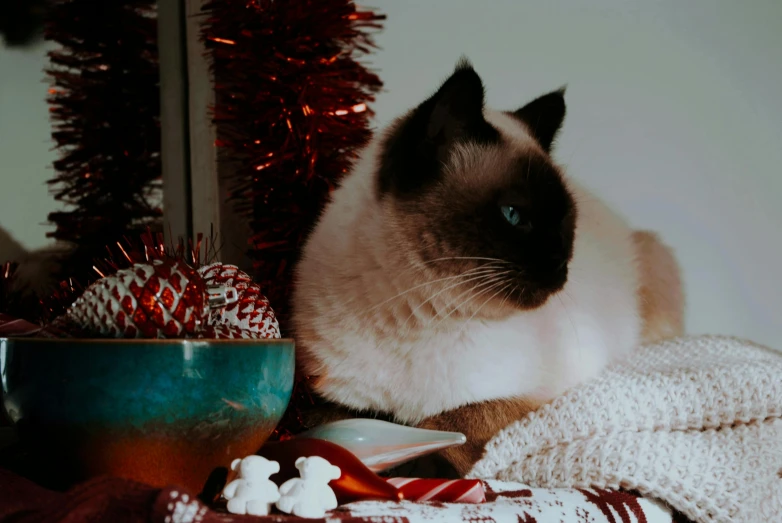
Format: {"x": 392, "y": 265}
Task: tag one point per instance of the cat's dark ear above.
{"x": 417, "y": 148}
{"x": 455, "y": 111}
{"x": 544, "y": 116}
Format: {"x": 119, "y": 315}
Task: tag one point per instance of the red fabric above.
{"x": 113, "y": 500}
{"x": 104, "y": 499}
{"x": 120, "y": 501}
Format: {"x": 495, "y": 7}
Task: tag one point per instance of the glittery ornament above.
{"x": 161, "y": 299}
{"x": 251, "y": 312}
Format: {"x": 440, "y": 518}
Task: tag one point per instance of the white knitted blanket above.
{"x": 695, "y": 422}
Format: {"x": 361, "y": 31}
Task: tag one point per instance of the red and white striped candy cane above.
{"x": 447, "y": 491}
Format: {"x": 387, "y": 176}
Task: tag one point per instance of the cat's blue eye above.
{"x": 511, "y": 214}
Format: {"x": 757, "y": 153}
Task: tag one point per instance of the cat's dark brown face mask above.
{"x": 473, "y": 200}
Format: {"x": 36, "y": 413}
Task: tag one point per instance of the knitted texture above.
{"x": 695, "y": 422}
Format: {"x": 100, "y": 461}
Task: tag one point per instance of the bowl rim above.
{"x": 156, "y": 341}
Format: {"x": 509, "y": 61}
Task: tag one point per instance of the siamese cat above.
{"x": 458, "y": 279}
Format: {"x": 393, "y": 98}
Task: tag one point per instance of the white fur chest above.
{"x": 536, "y": 354}
{"x": 439, "y": 372}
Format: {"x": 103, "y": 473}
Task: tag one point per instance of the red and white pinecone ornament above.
{"x": 161, "y": 299}
{"x": 251, "y": 312}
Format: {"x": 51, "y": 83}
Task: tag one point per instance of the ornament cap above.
{"x": 219, "y": 296}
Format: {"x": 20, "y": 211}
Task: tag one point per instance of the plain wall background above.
{"x": 675, "y": 118}
{"x": 26, "y": 147}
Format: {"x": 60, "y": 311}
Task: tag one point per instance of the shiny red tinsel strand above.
{"x": 150, "y": 245}
{"x": 104, "y": 103}
{"x": 292, "y": 111}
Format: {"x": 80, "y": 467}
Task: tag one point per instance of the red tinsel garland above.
{"x": 291, "y": 112}
{"x": 105, "y": 108}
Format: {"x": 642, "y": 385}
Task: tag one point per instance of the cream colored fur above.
{"x": 378, "y": 335}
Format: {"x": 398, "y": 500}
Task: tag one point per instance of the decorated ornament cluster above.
{"x": 167, "y": 298}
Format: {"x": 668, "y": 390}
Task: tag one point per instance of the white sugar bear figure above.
{"x": 252, "y": 492}
{"x": 310, "y": 496}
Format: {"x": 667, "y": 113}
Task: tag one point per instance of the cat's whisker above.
{"x": 480, "y": 294}
{"x": 503, "y": 289}
{"x": 484, "y": 280}
{"x": 424, "y": 284}
{"x": 479, "y": 258}
{"x": 568, "y": 296}
{"x": 421, "y": 265}
{"x": 508, "y": 293}
{"x": 471, "y": 292}
{"x": 569, "y": 317}
{"x": 497, "y": 280}
{"x": 494, "y": 278}
{"x": 473, "y": 277}
{"x": 451, "y": 286}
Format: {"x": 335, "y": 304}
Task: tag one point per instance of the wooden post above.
{"x": 194, "y": 183}
{"x": 205, "y": 187}
{"x": 175, "y": 155}
{"x": 191, "y": 197}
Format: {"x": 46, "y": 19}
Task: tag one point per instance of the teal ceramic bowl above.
{"x": 162, "y": 412}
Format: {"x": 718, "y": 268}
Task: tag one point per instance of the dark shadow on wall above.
{"x": 37, "y": 269}
{"x": 10, "y": 249}
{"x": 22, "y": 21}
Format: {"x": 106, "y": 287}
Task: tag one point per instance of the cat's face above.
{"x": 476, "y": 193}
